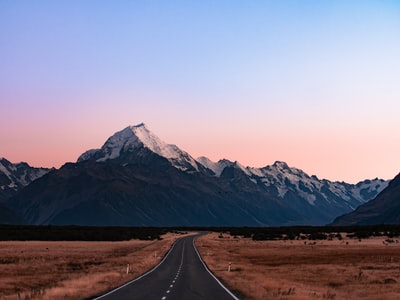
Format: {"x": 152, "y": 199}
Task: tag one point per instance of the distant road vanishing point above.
{"x": 181, "y": 275}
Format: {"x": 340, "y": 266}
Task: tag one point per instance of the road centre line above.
{"x": 176, "y": 277}
{"x": 140, "y": 277}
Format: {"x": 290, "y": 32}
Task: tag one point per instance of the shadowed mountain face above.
{"x": 13, "y": 177}
{"x": 137, "y": 179}
{"x": 384, "y": 209}
{"x": 7, "y": 216}
{"x": 97, "y": 193}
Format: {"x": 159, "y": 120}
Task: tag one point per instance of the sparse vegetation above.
{"x": 78, "y": 233}
{"x": 302, "y": 268}
{"x": 74, "y": 269}
{"x": 315, "y": 232}
{"x": 274, "y": 263}
{"x": 93, "y": 233}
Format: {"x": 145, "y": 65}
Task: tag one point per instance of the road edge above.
{"x": 208, "y": 270}
{"x": 140, "y": 277}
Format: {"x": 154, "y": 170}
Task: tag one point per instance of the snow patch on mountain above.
{"x": 6, "y": 171}
{"x": 19, "y": 175}
{"x": 369, "y": 187}
{"x": 213, "y": 166}
{"x": 218, "y": 167}
{"x": 88, "y": 155}
{"x": 285, "y": 178}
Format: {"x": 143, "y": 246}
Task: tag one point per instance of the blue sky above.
{"x": 313, "y": 83}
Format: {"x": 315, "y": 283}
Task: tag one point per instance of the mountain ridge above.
{"x": 135, "y": 174}
{"x": 15, "y": 176}
{"x": 383, "y": 209}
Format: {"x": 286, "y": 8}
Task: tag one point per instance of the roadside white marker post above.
{"x": 229, "y": 267}
{"x": 155, "y": 254}
{"x": 127, "y": 269}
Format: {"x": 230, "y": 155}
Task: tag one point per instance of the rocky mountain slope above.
{"x": 319, "y": 199}
{"x": 13, "y": 177}
{"x": 384, "y": 209}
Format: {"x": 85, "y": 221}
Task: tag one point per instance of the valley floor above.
{"x": 74, "y": 270}
{"x": 298, "y": 269}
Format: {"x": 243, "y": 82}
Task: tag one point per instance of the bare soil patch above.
{"x": 74, "y": 270}
{"x": 346, "y": 269}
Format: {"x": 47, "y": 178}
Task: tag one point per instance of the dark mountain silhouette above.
{"x": 384, "y": 209}
{"x": 7, "y": 216}
{"x": 13, "y": 177}
{"x": 101, "y": 193}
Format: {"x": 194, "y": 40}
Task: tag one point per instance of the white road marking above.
{"x": 136, "y": 279}
{"x": 177, "y": 274}
{"x": 216, "y": 279}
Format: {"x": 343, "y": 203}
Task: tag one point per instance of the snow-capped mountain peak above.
{"x": 134, "y": 137}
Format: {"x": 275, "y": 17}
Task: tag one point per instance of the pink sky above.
{"x": 314, "y": 84}
{"x": 331, "y": 155}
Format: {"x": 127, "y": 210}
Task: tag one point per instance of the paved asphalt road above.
{"x": 181, "y": 275}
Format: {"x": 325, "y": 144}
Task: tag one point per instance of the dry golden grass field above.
{"x": 347, "y": 269}
{"x": 74, "y": 270}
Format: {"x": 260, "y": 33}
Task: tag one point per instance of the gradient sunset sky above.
{"x": 312, "y": 83}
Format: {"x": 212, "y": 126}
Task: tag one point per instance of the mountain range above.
{"x": 14, "y": 177}
{"x": 384, "y": 209}
{"x": 137, "y": 179}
